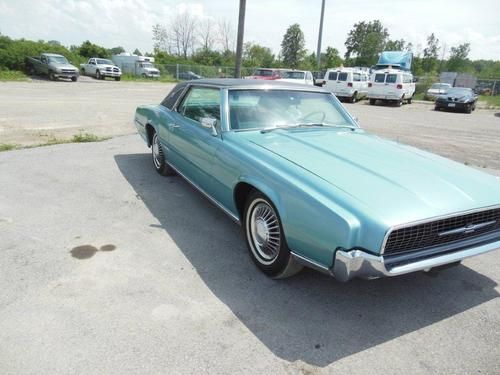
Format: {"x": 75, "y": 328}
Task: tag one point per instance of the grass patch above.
{"x": 77, "y": 138}
{"x": 163, "y": 78}
{"x": 12, "y": 75}
{"x": 7, "y": 146}
{"x": 492, "y": 101}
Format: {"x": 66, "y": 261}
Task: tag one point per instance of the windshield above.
{"x": 293, "y": 75}
{"x": 58, "y": 60}
{"x": 440, "y": 86}
{"x": 458, "y": 91}
{"x": 264, "y": 109}
{"x": 104, "y": 62}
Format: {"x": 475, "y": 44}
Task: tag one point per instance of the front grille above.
{"x": 67, "y": 71}
{"x": 442, "y": 231}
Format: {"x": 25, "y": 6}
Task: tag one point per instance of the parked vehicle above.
{"x": 266, "y": 74}
{"x": 457, "y": 99}
{"x": 391, "y": 85}
{"x": 52, "y": 65}
{"x": 437, "y": 89}
{"x": 101, "y": 68}
{"x": 141, "y": 66}
{"x": 310, "y": 187}
{"x": 297, "y": 76}
{"x": 347, "y": 83}
{"x": 188, "y": 75}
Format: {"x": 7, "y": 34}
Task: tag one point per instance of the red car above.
{"x": 263, "y": 73}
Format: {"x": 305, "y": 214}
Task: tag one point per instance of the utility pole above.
{"x": 318, "y": 51}
{"x": 239, "y": 42}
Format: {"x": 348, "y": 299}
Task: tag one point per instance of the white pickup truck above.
{"x": 100, "y": 69}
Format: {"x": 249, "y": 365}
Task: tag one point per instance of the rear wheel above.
{"x": 399, "y": 103}
{"x": 159, "y": 160}
{"x": 354, "y": 98}
{"x": 372, "y": 101}
{"x": 265, "y": 238}
{"x": 409, "y": 100}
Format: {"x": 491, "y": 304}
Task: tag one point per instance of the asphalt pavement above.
{"x": 107, "y": 267}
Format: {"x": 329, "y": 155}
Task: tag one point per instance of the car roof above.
{"x": 52, "y": 54}
{"x": 237, "y": 83}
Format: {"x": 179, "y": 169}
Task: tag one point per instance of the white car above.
{"x": 347, "y": 83}
{"x": 438, "y": 89}
{"x": 391, "y": 85}
{"x": 100, "y": 69}
{"x": 297, "y": 76}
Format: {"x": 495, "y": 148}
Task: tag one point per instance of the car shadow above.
{"x": 310, "y": 317}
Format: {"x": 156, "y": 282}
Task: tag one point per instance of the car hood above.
{"x": 63, "y": 66}
{"x": 107, "y": 66}
{"x": 397, "y": 183}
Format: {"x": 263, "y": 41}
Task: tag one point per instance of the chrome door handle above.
{"x": 173, "y": 126}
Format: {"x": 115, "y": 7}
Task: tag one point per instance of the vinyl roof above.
{"x": 253, "y": 83}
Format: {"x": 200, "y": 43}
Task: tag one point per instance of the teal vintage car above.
{"x": 311, "y": 188}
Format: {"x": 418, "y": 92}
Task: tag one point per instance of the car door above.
{"x": 191, "y": 146}
{"x": 92, "y": 66}
{"x": 44, "y": 66}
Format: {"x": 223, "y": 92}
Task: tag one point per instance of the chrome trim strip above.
{"x": 467, "y": 229}
{"x": 423, "y": 221}
{"x": 357, "y": 263}
{"x": 212, "y": 200}
{"x": 310, "y": 263}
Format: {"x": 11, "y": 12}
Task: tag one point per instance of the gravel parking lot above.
{"x": 108, "y": 267}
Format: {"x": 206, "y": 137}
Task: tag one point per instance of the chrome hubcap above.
{"x": 264, "y": 231}
{"x": 157, "y": 152}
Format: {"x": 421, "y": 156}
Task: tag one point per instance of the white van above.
{"x": 297, "y": 76}
{"x": 347, "y": 83}
{"x": 391, "y": 85}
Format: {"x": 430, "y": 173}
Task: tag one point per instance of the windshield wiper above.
{"x": 306, "y": 124}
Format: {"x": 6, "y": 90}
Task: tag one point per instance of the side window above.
{"x": 44, "y": 59}
{"x": 356, "y": 77}
{"x": 201, "y": 102}
{"x": 309, "y": 76}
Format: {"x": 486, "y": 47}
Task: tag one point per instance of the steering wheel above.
{"x": 323, "y": 115}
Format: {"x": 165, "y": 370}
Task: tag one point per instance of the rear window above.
{"x": 379, "y": 78}
{"x": 332, "y": 76}
{"x": 342, "y": 77}
{"x": 391, "y": 78}
{"x": 263, "y": 73}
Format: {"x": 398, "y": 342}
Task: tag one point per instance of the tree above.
{"x": 183, "y": 28}
{"x": 431, "y": 52}
{"x": 332, "y": 58}
{"x": 398, "y": 45}
{"x": 458, "y": 61}
{"x": 257, "y": 55}
{"x": 365, "y": 41}
{"x": 206, "y": 34}
{"x": 88, "y": 49}
{"x": 160, "y": 38}
{"x": 116, "y": 50}
{"x": 137, "y": 52}
{"x": 292, "y": 46}
{"x": 226, "y": 33}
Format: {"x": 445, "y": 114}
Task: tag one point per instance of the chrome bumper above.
{"x": 357, "y": 263}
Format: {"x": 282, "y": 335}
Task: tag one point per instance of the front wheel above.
{"x": 468, "y": 108}
{"x": 117, "y": 78}
{"x": 98, "y": 75}
{"x": 372, "y": 101}
{"x": 159, "y": 160}
{"x": 52, "y": 77}
{"x": 74, "y": 78}
{"x": 265, "y": 238}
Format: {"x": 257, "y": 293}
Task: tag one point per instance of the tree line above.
{"x": 189, "y": 40}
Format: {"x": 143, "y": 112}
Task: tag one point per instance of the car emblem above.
{"x": 469, "y": 228}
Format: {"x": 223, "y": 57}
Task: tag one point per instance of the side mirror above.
{"x": 209, "y": 123}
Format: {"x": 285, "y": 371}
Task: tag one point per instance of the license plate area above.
{"x": 451, "y": 104}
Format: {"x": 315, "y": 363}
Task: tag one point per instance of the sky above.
{"x": 128, "y": 23}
